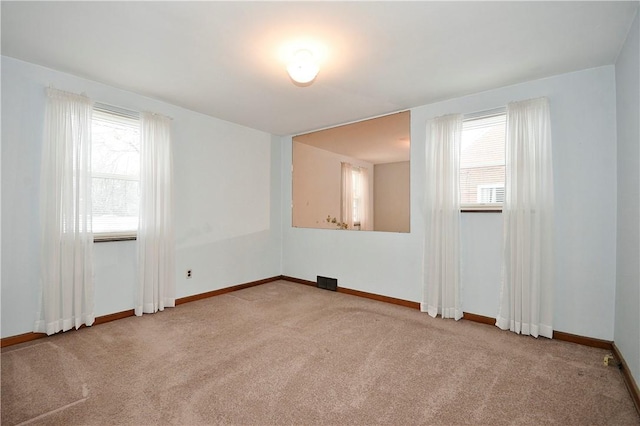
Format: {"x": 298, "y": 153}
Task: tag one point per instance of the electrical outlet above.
{"x": 188, "y": 273}
{"x": 608, "y": 359}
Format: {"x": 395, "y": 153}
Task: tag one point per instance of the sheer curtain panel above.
{"x": 346, "y": 205}
{"x": 156, "y": 251}
{"x": 526, "y": 297}
{"x": 441, "y": 292}
{"x": 66, "y": 271}
{"x": 366, "y": 222}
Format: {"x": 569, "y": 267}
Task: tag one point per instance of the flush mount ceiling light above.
{"x": 303, "y": 69}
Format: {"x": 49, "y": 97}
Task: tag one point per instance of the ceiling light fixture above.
{"x": 303, "y": 69}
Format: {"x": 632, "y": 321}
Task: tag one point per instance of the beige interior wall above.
{"x": 316, "y": 185}
{"x": 391, "y": 197}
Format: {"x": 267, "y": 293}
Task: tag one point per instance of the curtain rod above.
{"x": 123, "y": 111}
{"x": 485, "y": 113}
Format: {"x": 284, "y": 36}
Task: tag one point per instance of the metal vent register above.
{"x": 327, "y": 283}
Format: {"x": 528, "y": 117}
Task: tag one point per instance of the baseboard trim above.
{"x": 27, "y": 337}
{"x": 298, "y": 280}
{"x": 366, "y": 295}
{"x": 112, "y": 317}
{"x": 218, "y": 292}
{"x": 582, "y": 340}
{"x": 629, "y": 381}
{"x": 559, "y": 335}
{"x": 386, "y": 299}
{"x": 20, "y": 338}
{"x": 478, "y": 318}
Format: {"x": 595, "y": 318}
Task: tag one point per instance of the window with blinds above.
{"x": 115, "y": 162}
{"x": 482, "y": 160}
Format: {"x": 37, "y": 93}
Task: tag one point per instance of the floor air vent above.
{"x": 328, "y": 283}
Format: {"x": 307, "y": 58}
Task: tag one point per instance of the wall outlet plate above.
{"x": 608, "y": 359}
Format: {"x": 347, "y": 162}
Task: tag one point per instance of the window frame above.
{"x": 485, "y": 207}
{"x": 126, "y": 114}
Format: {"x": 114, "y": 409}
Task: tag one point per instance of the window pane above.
{"x": 115, "y": 145}
{"x": 115, "y": 205}
{"x": 482, "y": 160}
{"x": 491, "y": 193}
{"x": 115, "y": 160}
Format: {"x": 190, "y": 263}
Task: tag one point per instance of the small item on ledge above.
{"x": 340, "y": 225}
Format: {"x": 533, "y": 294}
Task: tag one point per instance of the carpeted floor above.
{"x": 285, "y": 353}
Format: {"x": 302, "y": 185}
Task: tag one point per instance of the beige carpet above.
{"x": 285, "y": 353}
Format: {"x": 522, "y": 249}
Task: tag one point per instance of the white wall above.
{"x": 583, "y": 131}
{"x": 227, "y": 186}
{"x": 481, "y": 255}
{"x": 627, "y": 319}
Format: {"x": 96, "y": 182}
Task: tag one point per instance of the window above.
{"x": 115, "y": 162}
{"x": 482, "y": 161}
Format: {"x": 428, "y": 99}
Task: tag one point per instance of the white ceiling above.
{"x": 225, "y": 59}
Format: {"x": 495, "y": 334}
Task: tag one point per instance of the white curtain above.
{"x": 66, "y": 274}
{"x": 156, "y": 251}
{"x": 365, "y": 208}
{"x": 526, "y": 297}
{"x": 441, "y": 293}
{"x": 346, "y": 204}
{"x": 355, "y": 179}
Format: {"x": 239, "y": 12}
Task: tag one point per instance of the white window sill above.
{"x": 481, "y": 208}
{"x": 114, "y": 236}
